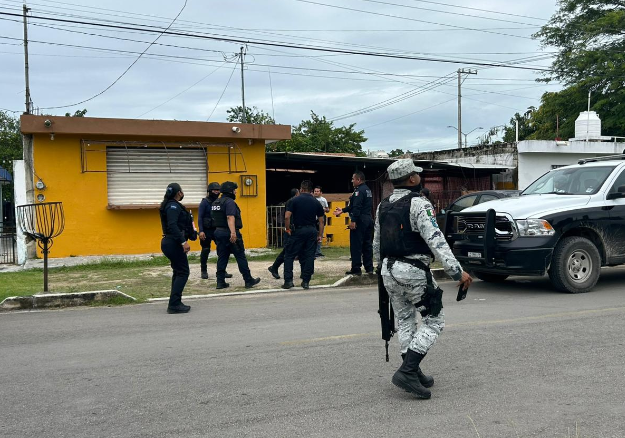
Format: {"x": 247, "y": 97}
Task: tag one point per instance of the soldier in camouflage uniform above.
{"x": 407, "y": 283}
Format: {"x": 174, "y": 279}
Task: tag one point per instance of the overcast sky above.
{"x": 400, "y": 103}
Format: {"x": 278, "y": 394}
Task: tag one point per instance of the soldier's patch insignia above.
{"x": 356, "y": 193}
{"x": 433, "y": 220}
{"x": 429, "y": 212}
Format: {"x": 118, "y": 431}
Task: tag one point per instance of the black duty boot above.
{"x": 427, "y": 381}
{"x": 306, "y": 284}
{"x": 274, "y": 272}
{"x": 204, "y": 275}
{"x": 228, "y": 275}
{"x": 252, "y": 282}
{"x": 287, "y": 285}
{"x": 407, "y": 378}
{"x": 222, "y": 285}
{"x": 180, "y": 308}
{"x": 354, "y": 272}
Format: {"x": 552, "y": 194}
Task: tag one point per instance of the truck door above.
{"x": 615, "y": 238}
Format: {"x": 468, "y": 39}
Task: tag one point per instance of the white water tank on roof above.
{"x": 588, "y": 124}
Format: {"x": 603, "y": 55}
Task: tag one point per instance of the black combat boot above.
{"x": 228, "y": 275}
{"x": 252, "y": 282}
{"x": 354, "y": 272}
{"x": 427, "y": 381}
{"x": 180, "y": 308}
{"x": 222, "y": 285}
{"x": 274, "y": 272}
{"x": 407, "y": 377}
{"x": 204, "y": 274}
{"x": 287, "y": 285}
{"x": 306, "y": 284}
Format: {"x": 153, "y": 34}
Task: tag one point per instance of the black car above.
{"x": 472, "y": 199}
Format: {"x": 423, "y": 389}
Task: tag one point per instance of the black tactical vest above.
{"x": 218, "y": 214}
{"x": 396, "y": 236}
{"x": 207, "y": 219}
{"x": 185, "y": 221}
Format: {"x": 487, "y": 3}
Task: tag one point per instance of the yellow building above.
{"x": 111, "y": 175}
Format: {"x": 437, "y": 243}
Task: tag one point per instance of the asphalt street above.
{"x": 516, "y": 359}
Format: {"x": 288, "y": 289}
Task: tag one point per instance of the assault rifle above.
{"x": 387, "y": 316}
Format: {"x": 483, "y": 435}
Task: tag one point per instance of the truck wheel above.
{"x": 575, "y": 265}
{"x": 490, "y": 278}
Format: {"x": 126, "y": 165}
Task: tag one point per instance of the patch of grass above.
{"x": 141, "y": 279}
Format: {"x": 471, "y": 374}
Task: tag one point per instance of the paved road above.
{"x": 516, "y": 360}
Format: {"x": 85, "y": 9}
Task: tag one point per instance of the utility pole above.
{"x": 25, "y": 11}
{"x": 461, "y": 71}
{"x": 243, "y": 87}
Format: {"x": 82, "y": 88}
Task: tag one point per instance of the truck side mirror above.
{"x": 616, "y": 195}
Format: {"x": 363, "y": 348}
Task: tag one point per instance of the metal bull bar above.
{"x": 486, "y": 232}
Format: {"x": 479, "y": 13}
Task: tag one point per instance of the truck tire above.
{"x": 575, "y": 265}
{"x": 490, "y": 278}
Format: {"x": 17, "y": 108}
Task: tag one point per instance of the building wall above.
{"x": 92, "y": 229}
{"x": 536, "y": 157}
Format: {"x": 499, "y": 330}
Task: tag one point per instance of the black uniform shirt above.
{"x": 360, "y": 204}
{"x": 305, "y": 210}
{"x": 176, "y": 220}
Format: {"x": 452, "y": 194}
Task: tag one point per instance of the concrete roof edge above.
{"x": 31, "y": 124}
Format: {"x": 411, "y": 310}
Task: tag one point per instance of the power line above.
{"x": 480, "y": 10}
{"x": 445, "y": 12}
{"x": 225, "y": 88}
{"x": 408, "y": 18}
{"x": 183, "y": 91}
{"x": 125, "y": 71}
{"x": 301, "y": 47}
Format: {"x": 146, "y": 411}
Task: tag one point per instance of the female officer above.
{"x": 177, "y": 225}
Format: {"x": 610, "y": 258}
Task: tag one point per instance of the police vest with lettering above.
{"x": 218, "y": 214}
{"x": 396, "y": 236}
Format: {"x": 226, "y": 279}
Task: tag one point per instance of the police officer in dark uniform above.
{"x": 285, "y": 241}
{"x": 227, "y": 220}
{"x": 361, "y": 225}
{"x": 207, "y": 229}
{"x": 306, "y": 213}
{"x": 177, "y": 225}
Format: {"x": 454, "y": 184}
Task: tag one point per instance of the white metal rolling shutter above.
{"x": 138, "y": 176}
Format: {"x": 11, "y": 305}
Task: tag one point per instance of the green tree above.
{"x": 254, "y": 115}
{"x": 78, "y": 113}
{"x": 10, "y": 147}
{"x": 396, "y": 153}
{"x": 590, "y": 38}
{"x": 319, "y": 135}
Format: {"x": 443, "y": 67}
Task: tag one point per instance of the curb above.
{"x": 350, "y": 280}
{"x": 47, "y": 301}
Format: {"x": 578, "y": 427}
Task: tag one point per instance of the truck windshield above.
{"x": 571, "y": 181}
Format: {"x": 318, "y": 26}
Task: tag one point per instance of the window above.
{"x": 486, "y": 198}
{"x": 463, "y": 203}
{"x": 137, "y": 177}
{"x": 620, "y": 182}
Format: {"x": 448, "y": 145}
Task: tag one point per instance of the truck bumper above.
{"x": 523, "y": 256}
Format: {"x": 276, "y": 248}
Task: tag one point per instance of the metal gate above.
{"x": 275, "y": 225}
{"x": 8, "y": 245}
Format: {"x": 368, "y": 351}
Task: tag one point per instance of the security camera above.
{"x": 47, "y": 123}
{"x": 236, "y": 129}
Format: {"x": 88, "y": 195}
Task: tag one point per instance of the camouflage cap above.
{"x": 402, "y": 168}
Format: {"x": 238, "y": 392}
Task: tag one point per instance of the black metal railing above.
{"x": 8, "y": 248}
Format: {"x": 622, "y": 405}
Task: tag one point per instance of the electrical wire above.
{"x": 125, "y": 71}
{"x": 182, "y": 92}
{"x": 409, "y": 19}
{"x": 312, "y": 48}
{"x": 225, "y": 88}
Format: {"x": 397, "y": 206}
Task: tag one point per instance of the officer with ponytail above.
{"x": 178, "y": 228}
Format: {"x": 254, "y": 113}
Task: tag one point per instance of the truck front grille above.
{"x": 475, "y": 226}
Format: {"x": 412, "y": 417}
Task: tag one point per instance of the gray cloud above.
{"x": 63, "y": 75}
